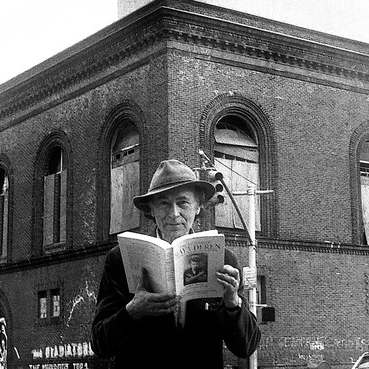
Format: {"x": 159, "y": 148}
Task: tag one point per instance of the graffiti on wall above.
{"x": 3, "y": 344}
{"x": 84, "y": 302}
{"x": 311, "y": 350}
{"x": 65, "y": 356}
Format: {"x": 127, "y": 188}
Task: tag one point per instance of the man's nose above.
{"x": 174, "y": 210}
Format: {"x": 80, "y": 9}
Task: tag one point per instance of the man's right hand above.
{"x": 145, "y": 303}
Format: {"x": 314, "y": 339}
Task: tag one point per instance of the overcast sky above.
{"x": 33, "y": 30}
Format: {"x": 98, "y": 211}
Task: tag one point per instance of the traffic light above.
{"x": 215, "y": 178}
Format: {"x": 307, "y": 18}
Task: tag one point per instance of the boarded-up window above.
{"x": 237, "y": 157}
{"x": 4, "y": 211}
{"x": 364, "y": 176}
{"x": 55, "y": 199}
{"x": 125, "y": 179}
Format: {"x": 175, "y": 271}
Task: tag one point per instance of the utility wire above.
{"x": 233, "y": 171}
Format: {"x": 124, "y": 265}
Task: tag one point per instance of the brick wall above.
{"x": 316, "y": 274}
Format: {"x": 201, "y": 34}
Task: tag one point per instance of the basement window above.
{"x": 55, "y": 303}
{"x": 42, "y": 304}
{"x": 49, "y": 306}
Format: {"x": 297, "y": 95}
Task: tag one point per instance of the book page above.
{"x": 197, "y": 257}
{"x": 141, "y": 251}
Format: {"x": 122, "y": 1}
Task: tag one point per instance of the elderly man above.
{"x": 139, "y": 329}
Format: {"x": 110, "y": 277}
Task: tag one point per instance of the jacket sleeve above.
{"x": 240, "y": 330}
{"x": 112, "y": 326}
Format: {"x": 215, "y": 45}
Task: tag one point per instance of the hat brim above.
{"x": 141, "y": 202}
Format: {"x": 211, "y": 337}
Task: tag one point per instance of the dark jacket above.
{"x": 156, "y": 343}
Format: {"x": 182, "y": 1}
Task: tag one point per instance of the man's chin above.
{"x": 172, "y": 235}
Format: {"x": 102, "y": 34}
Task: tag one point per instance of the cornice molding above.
{"x": 161, "y": 25}
{"x": 49, "y": 259}
{"x": 233, "y": 241}
{"x": 306, "y": 246}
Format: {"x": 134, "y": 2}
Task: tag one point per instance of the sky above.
{"x": 32, "y": 31}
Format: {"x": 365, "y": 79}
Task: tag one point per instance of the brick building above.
{"x": 275, "y": 105}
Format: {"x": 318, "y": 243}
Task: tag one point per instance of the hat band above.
{"x": 171, "y": 184}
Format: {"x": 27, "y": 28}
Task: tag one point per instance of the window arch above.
{"x": 5, "y": 209}
{"x": 239, "y": 135}
{"x": 120, "y": 170}
{"x": 53, "y": 195}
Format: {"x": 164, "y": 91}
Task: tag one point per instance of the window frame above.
{"x": 6, "y": 250}
{"x": 126, "y": 111}
{"x": 47, "y": 293}
{"x": 228, "y": 216}
{"x": 236, "y": 104}
{"x": 56, "y": 139}
{"x": 358, "y": 139}
{"x": 127, "y": 185}
{"x": 42, "y": 311}
{"x": 53, "y": 293}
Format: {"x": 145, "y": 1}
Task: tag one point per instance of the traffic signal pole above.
{"x": 251, "y": 235}
{"x": 251, "y": 192}
{"x": 253, "y": 303}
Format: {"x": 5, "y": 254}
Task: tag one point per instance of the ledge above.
{"x": 298, "y": 245}
{"x": 66, "y": 256}
{"x": 236, "y": 240}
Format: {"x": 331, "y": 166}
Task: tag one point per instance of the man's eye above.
{"x": 183, "y": 203}
{"x": 163, "y": 203}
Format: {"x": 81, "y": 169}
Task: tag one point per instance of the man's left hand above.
{"x": 229, "y": 278}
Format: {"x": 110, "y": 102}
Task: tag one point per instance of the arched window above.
{"x": 237, "y": 157}
{"x": 241, "y": 137}
{"x": 55, "y": 196}
{"x": 364, "y": 182}
{"x": 125, "y": 177}
{"x": 4, "y": 212}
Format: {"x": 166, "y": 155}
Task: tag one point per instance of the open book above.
{"x": 186, "y": 267}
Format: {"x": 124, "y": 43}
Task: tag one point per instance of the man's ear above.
{"x": 198, "y": 210}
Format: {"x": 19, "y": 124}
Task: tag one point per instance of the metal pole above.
{"x": 252, "y": 261}
{"x": 251, "y": 235}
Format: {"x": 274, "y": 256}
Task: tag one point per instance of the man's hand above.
{"x": 145, "y": 303}
{"x": 229, "y": 278}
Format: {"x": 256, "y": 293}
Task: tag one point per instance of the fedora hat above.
{"x": 172, "y": 174}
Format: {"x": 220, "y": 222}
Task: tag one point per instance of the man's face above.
{"x": 194, "y": 265}
{"x": 174, "y": 212}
